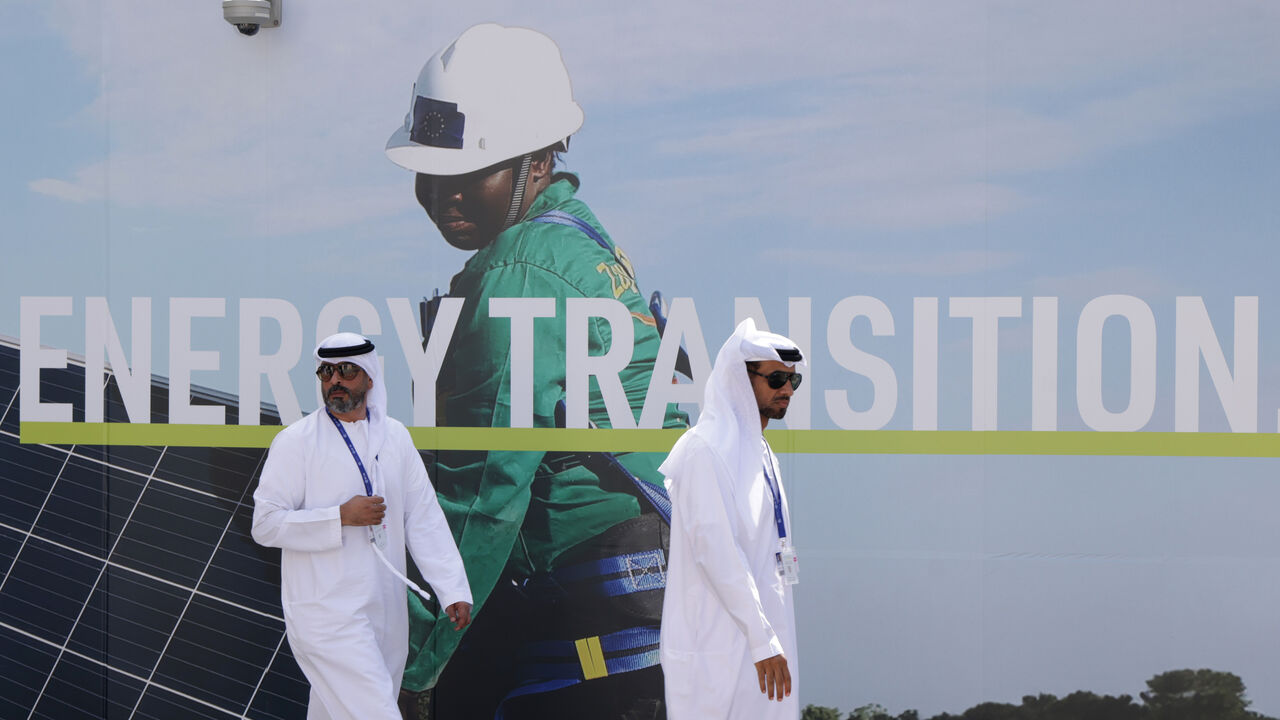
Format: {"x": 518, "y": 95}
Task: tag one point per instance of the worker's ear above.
{"x": 541, "y": 165}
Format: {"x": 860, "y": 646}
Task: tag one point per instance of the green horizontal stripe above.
{"x": 55, "y": 433}
{"x": 901, "y": 442}
{"x": 914, "y": 442}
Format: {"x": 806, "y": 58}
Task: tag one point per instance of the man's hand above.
{"x": 460, "y": 614}
{"x": 775, "y": 678}
{"x": 363, "y": 510}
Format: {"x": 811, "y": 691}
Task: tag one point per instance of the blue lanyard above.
{"x": 777, "y": 494}
{"x": 368, "y": 486}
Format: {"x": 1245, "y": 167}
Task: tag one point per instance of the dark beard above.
{"x": 773, "y": 413}
{"x": 354, "y": 399}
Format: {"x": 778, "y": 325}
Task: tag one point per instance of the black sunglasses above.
{"x": 778, "y": 378}
{"x": 345, "y": 370}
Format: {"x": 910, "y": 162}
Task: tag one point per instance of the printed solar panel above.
{"x": 131, "y": 587}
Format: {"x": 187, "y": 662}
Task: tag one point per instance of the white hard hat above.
{"x": 493, "y": 94}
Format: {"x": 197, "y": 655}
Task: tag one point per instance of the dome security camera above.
{"x": 250, "y": 15}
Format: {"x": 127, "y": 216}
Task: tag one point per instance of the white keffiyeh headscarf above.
{"x": 729, "y": 421}
{"x": 355, "y": 348}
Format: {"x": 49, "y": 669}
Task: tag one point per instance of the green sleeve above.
{"x": 485, "y": 495}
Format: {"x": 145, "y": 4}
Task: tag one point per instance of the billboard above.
{"x": 1026, "y": 249}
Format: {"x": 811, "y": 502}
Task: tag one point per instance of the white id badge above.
{"x": 380, "y": 536}
{"x": 788, "y": 565}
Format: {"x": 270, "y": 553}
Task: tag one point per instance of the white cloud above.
{"x": 942, "y": 264}
{"x": 907, "y": 106}
{"x": 64, "y": 190}
{"x": 898, "y": 115}
{"x": 1078, "y": 288}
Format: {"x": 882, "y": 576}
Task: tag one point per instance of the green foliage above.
{"x": 817, "y": 712}
{"x": 870, "y": 712}
{"x": 1196, "y": 695}
{"x": 993, "y": 711}
{"x": 1173, "y": 695}
{"x": 1082, "y": 704}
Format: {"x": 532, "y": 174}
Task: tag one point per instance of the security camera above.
{"x": 249, "y": 15}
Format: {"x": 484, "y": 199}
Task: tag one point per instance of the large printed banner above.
{"x": 1028, "y": 251}
{"x": 1129, "y": 359}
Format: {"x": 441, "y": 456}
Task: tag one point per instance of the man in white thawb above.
{"x": 343, "y": 491}
{"x": 728, "y": 642}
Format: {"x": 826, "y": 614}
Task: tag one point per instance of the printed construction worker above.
{"x": 565, "y": 552}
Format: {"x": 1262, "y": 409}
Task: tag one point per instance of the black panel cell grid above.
{"x": 79, "y": 688}
{"x": 9, "y": 383}
{"x": 28, "y": 473}
{"x": 27, "y": 662}
{"x": 173, "y": 533}
{"x": 131, "y": 587}
{"x": 81, "y": 513}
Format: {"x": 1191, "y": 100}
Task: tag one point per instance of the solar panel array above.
{"x": 131, "y": 587}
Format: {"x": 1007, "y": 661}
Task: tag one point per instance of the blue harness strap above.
{"x": 637, "y": 572}
{"x": 555, "y": 664}
{"x": 655, "y": 494}
{"x": 560, "y": 217}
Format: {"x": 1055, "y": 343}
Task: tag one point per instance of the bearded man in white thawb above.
{"x": 728, "y": 642}
{"x": 342, "y": 493}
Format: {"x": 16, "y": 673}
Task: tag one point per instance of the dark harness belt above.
{"x": 546, "y": 665}
{"x": 555, "y": 664}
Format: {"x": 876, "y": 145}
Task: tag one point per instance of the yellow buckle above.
{"x": 591, "y": 657}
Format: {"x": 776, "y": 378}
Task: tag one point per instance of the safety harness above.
{"x": 548, "y": 665}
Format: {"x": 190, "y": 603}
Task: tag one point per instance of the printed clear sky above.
{"x": 891, "y": 149}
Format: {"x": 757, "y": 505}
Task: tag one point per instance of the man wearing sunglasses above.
{"x": 343, "y": 492}
{"x": 728, "y": 643}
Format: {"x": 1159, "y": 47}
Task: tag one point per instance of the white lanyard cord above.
{"x": 412, "y": 585}
{"x": 368, "y": 487}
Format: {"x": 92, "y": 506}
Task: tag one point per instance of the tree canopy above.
{"x": 1173, "y": 695}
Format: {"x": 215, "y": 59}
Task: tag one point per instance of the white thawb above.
{"x": 726, "y": 606}
{"x": 346, "y": 614}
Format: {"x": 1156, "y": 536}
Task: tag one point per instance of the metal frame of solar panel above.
{"x": 131, "y": 587}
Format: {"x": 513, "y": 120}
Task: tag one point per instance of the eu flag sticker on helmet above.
{"x": 437, "y": 123}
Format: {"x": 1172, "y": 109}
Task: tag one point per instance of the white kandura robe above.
{"x": 726, "y": 607}
{"x": 346, "y": 615}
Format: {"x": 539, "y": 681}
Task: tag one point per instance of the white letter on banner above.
{"x": 924, "y": 364}
{"x": 580, "y": 365}
{"x": 337, "y": 309}
{"x": 183, "y": 360}
{"x": 134, "y": 385}
{"x": 424, "y": 363}
{"x": 1238, "y": 390}
{"x": 884, "y": 383}
{"x": 1142, "y": 363}
{"x": 1044, "y": 363}
{"x": 330, "y": 320}
{"x": 253, "y": 364}
{"x": 682, "y": 326}
{"x": 522, "y": 311}
{"x": 32, "y": 358}
{"x": 986, "y": 313}
{"x": 800, "y": 331}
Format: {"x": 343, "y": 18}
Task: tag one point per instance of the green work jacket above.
{"x": 516, "y": 513}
